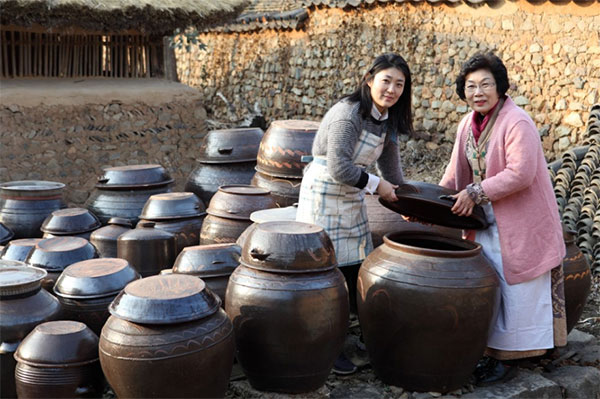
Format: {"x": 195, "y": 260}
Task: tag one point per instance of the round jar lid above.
{"x": 71, "y": 221}
{"x": 95, "y": 278}
{"x": 165, "y": 299}
{"x": 172, "y": 206}
{"x": 54, "y": 254}
{"x": 134, "y": 176}
{"x": 61, "y": 343}
{"x": 17, "y": 278}
{"x": 211, "y": 260}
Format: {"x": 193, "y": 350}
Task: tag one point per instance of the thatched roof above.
{"x": 152, "y": 16}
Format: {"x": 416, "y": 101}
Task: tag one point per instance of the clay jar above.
{"x": 19, "y": 249}
{"x": 285, "y": 191}
{"x": 578, "y": 280}
{"x": 25, "y": 204}
{"x": 105, "y": 238}
{"x": 147, "y": 249}
{"x": 167, "y": 337}
{"x": 59, "y": 359}
{"x": 23, "y": 306}
{"x": 76, "y": 222}
{"x": 289, "y": 307}
{"x": 425, "y": 304}
{"x": 85, "y": 289}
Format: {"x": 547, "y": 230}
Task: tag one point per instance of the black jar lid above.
{"x": 213, "y": 260}
{"x": 167, "y": 206}
{"x": 134, "y": 177}
{"x": 145, "y": 231}
{"x": 431, "y": 203}
{"x": 19, "y": 249}
{"x": 165, "y": 299}
{"x": 95, "y": 278}
{"x": 230, "y": 145}
{"x": 54, "y": 254}
{"x": 70, "y": 221}
{"x": 16, "y": 278}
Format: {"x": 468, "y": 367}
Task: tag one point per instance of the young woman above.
{"x": 498, "y": 162}
{"x": 356, "y": 132}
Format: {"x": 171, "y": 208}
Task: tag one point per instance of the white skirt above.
{"x": 524, "y": 315}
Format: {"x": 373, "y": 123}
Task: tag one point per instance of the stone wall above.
{"x": 552, "y": 53}
{"x": 71, "y": 143}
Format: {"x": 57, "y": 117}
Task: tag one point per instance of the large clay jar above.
{"x": 23, "y": 305}
{"x": 147, "y": 249}
{"x": 74, "y": 222}
{"x": 167, "y": 337}
{"x": 289, "y": 306}
{"x": 578, "y": 280}
{"x": 122, "y": 191}
{"x": 283, "y": 146}
{"x": 25, "y": 204}
{"x": 226, "y": 156}
{"x": 105, "y": 238}
{"x": 425, "y": 304}
{"x": 179, "y": 213}
{"x": 212, "y": 263}
{"x": 85, "y": 289}
{"x": 59, "y": 359}
{"x": 19, "y": 249}
{"x": 285, "y": 191}
{"x": 55, "y": 254}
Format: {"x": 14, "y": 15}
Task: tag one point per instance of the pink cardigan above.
{"x": 519, "y": 187}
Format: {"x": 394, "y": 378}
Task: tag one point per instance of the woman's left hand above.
{"x": 464, "y": 204}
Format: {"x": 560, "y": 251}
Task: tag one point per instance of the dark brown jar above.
{"x": 25, "y": 204}
{"x": 285, "y": 191}
{"x": 74, "y": 222}
{"x": 122, "y": 191}
{"x": 19, "y": 249}
{"x": 85, "y": 289}
{"x": 289, "y": 306}
{"x": 105, "y": 238}
{"x": 167, "y": 337}
{"x": 282, "y": 148}
{"x": 55, "y": 254}
{"x": 212, "y": 263}
{"x": 578, "y": 280}
{"x": 59, "y": 359}
{"x": 218, "y": 230}
{"x": 178, "y": 213}
{"x": 425, "y": 304}
{"x": 147, "y": 249}
{"x": 23, "y": 306}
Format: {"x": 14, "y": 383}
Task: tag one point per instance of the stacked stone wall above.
{"x": 552, "y": 52}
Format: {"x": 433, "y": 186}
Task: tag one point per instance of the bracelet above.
{"x": 476, "y": 193}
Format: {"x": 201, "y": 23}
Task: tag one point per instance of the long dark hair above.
{"x": 400, "y": 114}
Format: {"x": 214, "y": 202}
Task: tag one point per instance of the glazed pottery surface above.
{"x": 6, "y": 234}
{"x": 206, "y": 178}
{"x": 285, "y": 191}
{"x": 238, "y": 201}
{"x": 230, "y": 145}
{"x": 105, "y": 238}
{"x": 70, "y": 221}
{"x": 425, "y": 304}
{"x": 19, "y": 249}
{"x": 170, "y": 206}
{"x": 578, "y": 280}
{"x": 147, "y": 249}
{"x": 219, "y": 230}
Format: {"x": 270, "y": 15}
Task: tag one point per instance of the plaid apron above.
{"x": 339, "y": 208}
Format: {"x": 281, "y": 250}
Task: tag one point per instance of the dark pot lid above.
{"x": 17, "y": 278}
{"x": 5, "y": 234}
{"x": 95, "y": 278}
{"x": 173, "y": 206}
{"x": 120, "y": 222}
{"x": 134, "y": 177}
{"x": 32, "y": 188}
{"x": 238, "y": 201}
{"x": 230, "y": 145}
{"x": 71, "y": 221}
{"x": 54, "y": 254}
{"x": 19, "y": 249}
{"x": 429, "y": 203}
{"x": 288, "y": 247}
{"x": 61, "y": 343}
{"x": 208, "y": 260}
{"x": 165, "y": 299}
{"x": 145, "y": 231}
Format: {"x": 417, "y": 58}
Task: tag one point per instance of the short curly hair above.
{"x": 488, "y": 61}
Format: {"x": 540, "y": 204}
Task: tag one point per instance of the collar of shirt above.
{"x": 378, "y": 115}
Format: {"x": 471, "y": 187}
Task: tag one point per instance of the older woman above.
{"x": 498, "y": 162}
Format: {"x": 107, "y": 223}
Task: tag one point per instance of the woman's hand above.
{"x": 464, "y": 204}
{"x": 387, "y": 190}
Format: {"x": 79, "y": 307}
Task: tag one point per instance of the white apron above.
{"x": 524, "y": 317}
{"x": 339, "y": 208}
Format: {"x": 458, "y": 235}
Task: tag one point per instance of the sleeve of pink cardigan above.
{"x": 521, "y": 153}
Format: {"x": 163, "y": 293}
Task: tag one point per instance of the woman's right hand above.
{"x": 387, "y": 190}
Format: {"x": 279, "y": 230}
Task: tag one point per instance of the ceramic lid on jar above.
{"x": 230, "y": 145}
{"x": 54, "y": 254}
{"x": 62, "y": 343}
{"x": 238, "y": 201}
{"x": 71, "y": 221}
{"x": 5, "y": 234}
{"x": 145, "y": 231}
{"x": 274, "y": 214}
{"x": 431, "y": 203}
{"x": 165, "y": 299}
{"x": 19, "y": 249}
{"x": 288, "y": 247}
{"x": 134, "y": 176}
{"x": 173, "y": 206}
{"x": 211, "y": 260}
{"x": 95, "y": 278}
{"x": 17, "y": 278}
{"x": 32, "y": 188}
